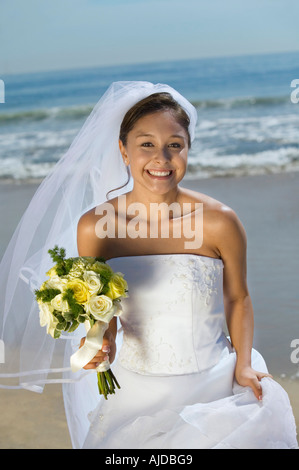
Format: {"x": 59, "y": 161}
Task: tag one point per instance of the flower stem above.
{"x": 106, "y": 383}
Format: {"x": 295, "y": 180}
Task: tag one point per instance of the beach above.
{"x": 268, "y": 208}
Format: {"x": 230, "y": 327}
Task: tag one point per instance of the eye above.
{"x": 175, "y": 145}
{"x": 146, "y": 144}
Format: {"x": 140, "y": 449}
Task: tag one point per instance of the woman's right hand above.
{"x": 107, "y": 352}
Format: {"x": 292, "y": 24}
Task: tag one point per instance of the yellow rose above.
{"x": 81, "y": 292}
{"x": 117, "y": 286}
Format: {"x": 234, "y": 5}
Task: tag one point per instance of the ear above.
{"x": 123, "y": 151}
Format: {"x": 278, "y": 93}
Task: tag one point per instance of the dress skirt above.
{"x": 206, "y": 410}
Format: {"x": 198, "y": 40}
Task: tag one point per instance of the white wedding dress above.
{"x": 176, "y": 370}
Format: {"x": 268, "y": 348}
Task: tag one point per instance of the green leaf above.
{"x": 60, "y": 326}
{"x": 63, "y": 266}
{"x": 59, "y": 318}
{"x": 46, "y": 295}
{"x": 75, "y": 308}
{"x": 57, "y": 333}
{"x": 69, "y": 316}
{"x": 105, "y": 290}
{"x": 73, "y": 327}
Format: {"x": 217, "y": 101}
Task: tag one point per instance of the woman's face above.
{"x": 157, "y": 151}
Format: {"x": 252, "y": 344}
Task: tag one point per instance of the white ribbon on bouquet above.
{"x": 93, "y": 342}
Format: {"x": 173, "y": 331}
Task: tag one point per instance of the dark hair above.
{"x": 154, "y": 103}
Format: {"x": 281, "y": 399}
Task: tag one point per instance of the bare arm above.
{"x": 90, "y": 245}
{"x": 237, "y": 301}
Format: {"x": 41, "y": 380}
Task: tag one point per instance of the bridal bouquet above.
{"x": 82, "y": 290}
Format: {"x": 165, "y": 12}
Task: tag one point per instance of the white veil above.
{"x": 80, "y": 180}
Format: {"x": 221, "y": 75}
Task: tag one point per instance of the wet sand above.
{"x": 268, "y": 207}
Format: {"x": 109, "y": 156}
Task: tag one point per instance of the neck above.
{"x": 143, "y": 196}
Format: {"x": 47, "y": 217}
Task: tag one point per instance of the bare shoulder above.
{"x": 88, "y": 240}
{"x": 90, "y": 218}
{"x": 222, "y": 226}
{"x": 189, "y": 195}
{"x": 212, "y": 208}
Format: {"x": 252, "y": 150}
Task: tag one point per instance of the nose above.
{"x": 163, "y": 155}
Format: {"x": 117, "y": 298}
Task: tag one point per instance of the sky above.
{"x": 42, "y": 35}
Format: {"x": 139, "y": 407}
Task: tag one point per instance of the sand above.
{"x": 267, "y": 205}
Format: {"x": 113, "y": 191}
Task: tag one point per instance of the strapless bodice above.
{"x": 173, "y": 317}
{"x": 176, "y": 368}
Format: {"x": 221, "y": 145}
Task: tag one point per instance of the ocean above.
{"x": 248, "y": 123}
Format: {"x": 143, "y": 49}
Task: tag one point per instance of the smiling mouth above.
{"x": 160, "y": 173}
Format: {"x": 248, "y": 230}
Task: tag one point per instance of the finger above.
{"x": 96, "y": 361}
{"x": 106, "y": 345}
{"x": 257, "y": 389}
{"x": 103, "y": 352}
{"x": 99, "y": 357}
{"x": 262, "y": 375}
{"x": 90, "y": 366}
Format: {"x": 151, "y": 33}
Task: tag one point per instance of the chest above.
{"x": 136, "y": 235}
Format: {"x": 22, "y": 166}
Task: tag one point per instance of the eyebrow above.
{"x": 151, "y": 135}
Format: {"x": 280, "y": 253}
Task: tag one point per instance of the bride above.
{"x": 184, "y": 384}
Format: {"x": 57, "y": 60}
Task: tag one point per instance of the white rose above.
{"x": 47, "y": 318}
{"x": 59, "y": 304}
{"x": 101, "y": 307}
{"x": 93, "y": 281}
{"x": 56, "y": 282}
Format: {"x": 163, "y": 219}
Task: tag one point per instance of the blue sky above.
{"x": 38, "y": 35}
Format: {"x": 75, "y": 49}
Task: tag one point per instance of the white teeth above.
{"x": 159, "y": 173}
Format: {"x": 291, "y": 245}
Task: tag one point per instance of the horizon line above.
{"x": 130, "y": 64}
